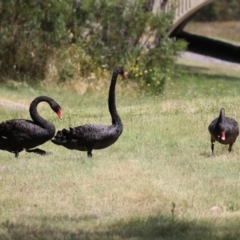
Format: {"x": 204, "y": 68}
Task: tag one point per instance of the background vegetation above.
{"x": 64, "y": 42}
{"x": 79, "y": 39}
{"x": 220, "y": 10}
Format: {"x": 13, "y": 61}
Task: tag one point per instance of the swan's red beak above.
{"x": 59, "y": 113}
{"x": 125, "y": 75}
{"x": 223, "y": 136}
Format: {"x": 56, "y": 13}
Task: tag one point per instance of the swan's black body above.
{"x": 92, "y": 136}
{"x": 223, "y": 130}
{"x": 19, "y": 134}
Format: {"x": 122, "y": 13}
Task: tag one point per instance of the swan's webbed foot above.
{"x": 89, "y": 153}
{"x": 38, "y": 151}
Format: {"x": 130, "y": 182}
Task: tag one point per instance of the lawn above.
{"x": 228, "y": 31}
{"x": 158, "y": 181}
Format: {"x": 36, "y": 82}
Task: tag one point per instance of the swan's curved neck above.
{"x": 111, "y": 101}
{"x": 222, "y": 115}
{"x": 34, "y": 113}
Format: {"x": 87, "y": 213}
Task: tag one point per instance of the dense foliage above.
{"x": 220, "y": 10}
{"x": 103, "y": 33}
{"x": 29, "y": 32}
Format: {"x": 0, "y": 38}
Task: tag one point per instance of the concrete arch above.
{"x": 195, "y": 43}
{"x": 184, "y": 11}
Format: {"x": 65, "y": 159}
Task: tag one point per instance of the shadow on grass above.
{"x": 206, "y": 154}
{"x": 153, "y": 227}
{"x": 202, "y": 72}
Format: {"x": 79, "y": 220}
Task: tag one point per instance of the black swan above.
{"x": 224, "y": 130}
{"x": 19, "y": 134}
{"x": 92, "y": 136}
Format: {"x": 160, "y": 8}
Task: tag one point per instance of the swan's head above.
{"x": 222, "y": 135}
{"x": 57, "y": 109}
{"x": 221, "y": 125}
{"x": 59, "y": 113}
{"x": 222, "y": 130}
{"x": 120, "y": 70}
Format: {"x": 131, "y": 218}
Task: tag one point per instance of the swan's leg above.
{"x": 38, "y": 151}
{"x": 16, "y": 154}
{"x": 230, "y": 147}
{"x": 89, "y": 153}
{"x": 212, "y": 145}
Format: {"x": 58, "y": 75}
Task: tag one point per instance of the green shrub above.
{"x": 29, "y": 32}
{"x": 105, "y": 32}
{"x": 129, "y": 34}
{"x": 66, "y": 72}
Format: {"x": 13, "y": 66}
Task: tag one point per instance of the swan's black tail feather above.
{"x": 64, "y": 136}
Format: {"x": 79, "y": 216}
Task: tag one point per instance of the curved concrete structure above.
{"x": 184, "y": 10}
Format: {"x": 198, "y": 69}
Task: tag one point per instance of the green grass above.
{"x": 228, "y": 31}
{"x": 158, "y": 181}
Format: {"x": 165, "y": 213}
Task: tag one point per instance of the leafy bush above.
{"x": 106, "y": 32}
{"x": 129, "y": 34}
{"x": 29, "y": 32}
